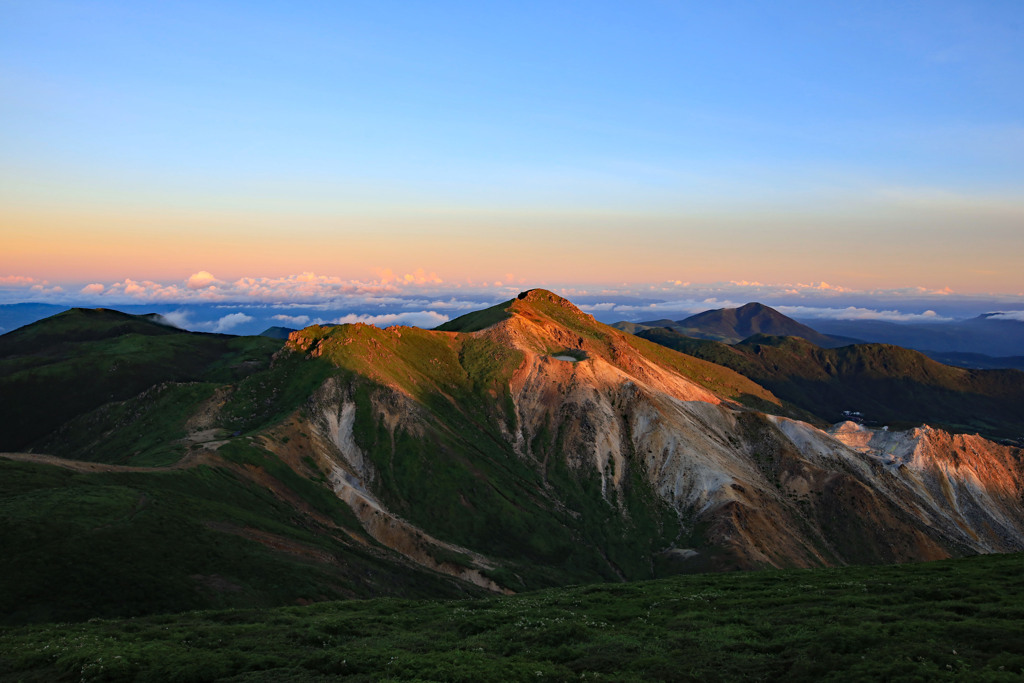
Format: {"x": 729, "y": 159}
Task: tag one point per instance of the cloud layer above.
{"x": 424, "y": 299}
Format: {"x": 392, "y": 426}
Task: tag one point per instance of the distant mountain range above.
{"x": 879, "y": 384}
{"x": 985, "y": 334}
{"x": 984, "y": 342}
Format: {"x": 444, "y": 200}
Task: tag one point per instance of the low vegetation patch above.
{"x": 945, "y": 620}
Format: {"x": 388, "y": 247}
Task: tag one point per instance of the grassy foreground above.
{"x": 950, "y": 620}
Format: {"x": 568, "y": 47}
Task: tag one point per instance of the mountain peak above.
{"x": 733, "y": 325}
{"x": 542, "y": 300}
{"x": 528, "y": 303}
{"x": 539, "y": 294}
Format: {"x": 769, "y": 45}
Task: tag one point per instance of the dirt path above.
{"x": 192, "y": 459}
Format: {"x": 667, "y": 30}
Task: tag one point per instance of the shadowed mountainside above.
{"x": 887, "y": 385}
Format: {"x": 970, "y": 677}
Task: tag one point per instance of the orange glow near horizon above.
{"x": 537, "y": 248}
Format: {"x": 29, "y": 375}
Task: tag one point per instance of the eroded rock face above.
{"x": 768, "y": 492}
{"x": 967, "y": 486}
{"x": 352, "y": 474}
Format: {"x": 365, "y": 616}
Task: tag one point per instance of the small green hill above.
{"x": 277, "y": 332}
{"x": 76, "y": 326}
{"x": 74, "y": 362}
{"x": 750, "y": 319}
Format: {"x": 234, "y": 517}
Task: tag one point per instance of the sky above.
{"x": 272, "y": 151}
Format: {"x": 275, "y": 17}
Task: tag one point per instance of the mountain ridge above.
{"x": 535, "y": 448}
{"x": 885, "y": 384}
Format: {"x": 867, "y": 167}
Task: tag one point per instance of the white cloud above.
{"x": 821, "y": 287}
{"x": 858, "y": 313}
{"x": 1007, "y": 315}
{"x": 44, "y": 289}
{"x": 297, "y": 320}
{"x": 202, "y": 280}
{"x": 179, "y": 319}
{"x": 455, "y": 304}
{"x": 94, "y": 288}
{"x": 146, "y": 290}
{"x": 424, "y": 319}
{"x": 231, "y": 321}
{"x": 18, "y": 280}
{"x": 597, "y": 307}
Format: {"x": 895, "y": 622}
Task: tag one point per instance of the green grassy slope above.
{"x": 147, "y": 429}
{"x": 115, "y": 543}
{"x": 477, "y": 320}
{"x": 888, "y": 384}
{"x": 950, "y": 620}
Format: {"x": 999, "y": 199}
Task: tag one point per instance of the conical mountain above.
{"x": 732, "y": 325}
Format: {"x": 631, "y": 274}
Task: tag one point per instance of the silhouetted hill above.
{"x": 277, "y": 332}
{"x": 78, "y": 360}
{"x": 732, "y": 325}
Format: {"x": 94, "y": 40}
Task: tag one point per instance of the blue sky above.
{"x": 707, "y": 141}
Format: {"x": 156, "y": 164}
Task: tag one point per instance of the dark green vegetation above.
{"x": 122, "y": 543}
{"x": 888, "y": 384}
{"x": 77, "y": 361}
{"x": 146, "y": 430}
{"x": 949, "y": 620}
